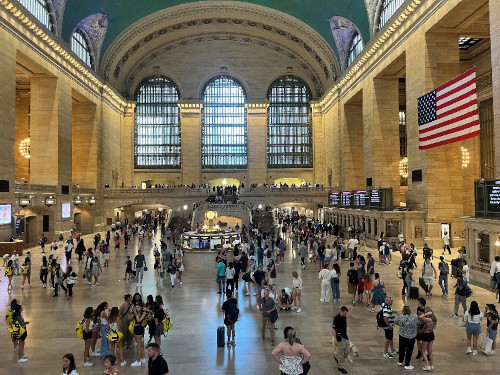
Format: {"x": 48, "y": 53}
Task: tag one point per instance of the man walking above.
{"x": 428, "y": 271}
{"x": 444, "y": 270}
{"x": 140, "y": 265}
{"x": 303, "y": 254}
{"x": 340, "y": 339}
{"x": 446, "y": 243}
{"x": 352, "y": 282}
{"x": 267, "y": 308}
{"x": 460, "y": 295}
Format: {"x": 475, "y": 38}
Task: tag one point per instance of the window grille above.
{"x": 38, "y": 8}
{"x": 80, "y": 47}
{"x": 389, "y": 8}
{"x": 355, "y": 49}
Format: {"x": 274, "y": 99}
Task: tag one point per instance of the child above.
{"x": 368, "y": 288}
{"x": 230, "y": 273}
{"x": 361, "y": 290}
{"x": 128, "y": 268}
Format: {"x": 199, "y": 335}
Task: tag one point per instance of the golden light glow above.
{"x": 25, "y": 148}
{"x": 403, "y": 167}
{"x": 465, "y": 157}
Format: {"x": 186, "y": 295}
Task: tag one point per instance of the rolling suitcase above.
{"x": 220, "y": 337}
{"x": 423, "y": 285}
{"x": 413, "y": 292}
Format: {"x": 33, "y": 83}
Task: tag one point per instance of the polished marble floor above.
{"x": 190, "y": 347}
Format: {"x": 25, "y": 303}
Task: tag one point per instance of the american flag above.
{"x": 449, "y": 113}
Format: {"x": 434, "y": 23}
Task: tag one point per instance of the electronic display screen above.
{"x": 334, "y": 199}
{"x": 346, "y": 199}
{"x": 66, "y": 210}
{"x": 5, "y": 214}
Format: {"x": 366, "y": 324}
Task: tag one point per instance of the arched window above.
{"x": 38, "y": 8}
{"x": 355, "y": 49}
{"x": 224, "y": 124}
{"x": 80, "y": 47}
{"x": 388, "y": 9}
{"x": 157, "y": 125}
{"x": 289, "y": 129}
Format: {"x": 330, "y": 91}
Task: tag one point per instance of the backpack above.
{"x": 380, "y": 319}
{"x": 24, "y": 270}
{"x": 167, "y": 323}
{"x": 16, "y": 329}
{"x": 353, "y": 277}
{"x": 8, "y": 271}
{"x": 233, "y": 312}
{"x": 79, "y": 329}
{"x": 8, "y": 317}
{"x": 446, "y": 268}
{"x": 114, "y": 335}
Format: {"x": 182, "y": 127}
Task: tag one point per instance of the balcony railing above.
{"x": 26, "y": 188}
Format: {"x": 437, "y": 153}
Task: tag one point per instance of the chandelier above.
{"x": 403, "y": 167}
{"x": 24, "y": 148}
{"x": 465, "y": 157}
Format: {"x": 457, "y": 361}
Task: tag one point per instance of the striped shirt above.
{"x": 387, "y": 313}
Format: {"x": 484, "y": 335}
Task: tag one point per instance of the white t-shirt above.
{"x": 352, "y": 243}
{"x": 465, "y": 272}
{"x": 71, "y": 373}
{"x": 328, "y": 252}
{"x": 297, "y": 283}
{"x": 446, "y": 239}
{"x": 473, "y": 319}
{"x": 334, "y": 274}
{"x": 325, "y": 274}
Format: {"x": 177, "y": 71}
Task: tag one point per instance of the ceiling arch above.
{"x": 165, "y": 34}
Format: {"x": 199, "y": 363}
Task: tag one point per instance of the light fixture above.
{"x": 23, "y": 202}
{"x": 497, "y": 243}
{"x": 403, "y": 167}
{"x": 25, "y": 148}
{"x": 224, "y": 182}
{"x": 465, "y": 157}
{"x": 77, "y": 201}
{"x": 50, "y": 200}
{"x": 260, "y": 207}
{"x": 92, "y": 200}
{"x": 185, "y": 206}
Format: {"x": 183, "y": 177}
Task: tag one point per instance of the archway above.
{"x": 290, "y": 181}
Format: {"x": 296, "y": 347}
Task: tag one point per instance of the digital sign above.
{"x": 334, "y": 199}
{"x": 361, "y": 199}
{"x": 5, "y": 214}
{"x": 487, "y": 198}
{"x": 374, "y": 199}
{"x": 346, "y": 199}
{"x": 66, "y": 210}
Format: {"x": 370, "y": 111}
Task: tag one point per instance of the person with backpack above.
{"x": 26, "y": 272}
{"x": 462, "y": 291}
{"x": 388, "y": 317}
{"x": 352, "y": 282}
{"x": 428, "y": 271}
{"x": 231, "y": 314}
{"x": 444, "y": 271}
{"x": 17, "y": 318}
{"x": 88, "y": 327}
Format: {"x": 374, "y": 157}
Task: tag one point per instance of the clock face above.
{"x": 211, "y": 215}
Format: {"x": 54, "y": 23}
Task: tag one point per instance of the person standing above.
{"x": 268, "y": 306}
{"x": 325, "y": 275}
{"x": 407, "y": 334}
{"x": 388, "y": 315}
{"x": 335, "y": 282}
{"x": 473, "y": 317}
{"x": 460, "y": 295}
{"x": 258, "y": 279}
{"x": 297, "y": 291}
{"x": 444, "y": 270}
{"x": 88, "y": 267}
{"x": 26, "y": 272}
{"x": 465, "y": 270}
{"x": 378, "y": 294}
{"x": 430, "y": 322}
{"x": 156, "y": 363}
{"x": 352, "y": 282}
{"x": 303, "y": 255}
{"x": 494, "y": 268}
{"x": 370, "y": 265}
{"x": 230, "y": 310}
{"x": 221, "y": 276}
{"x": 428, "y": 271}
{"x": 124, "y": 312}
{"x": 491, "y": 326}
{"x": 140, "y": 266}
{"x": 340, "y": 339}
{"x": 290, "y": 355}
{"x": 446, "y": 243}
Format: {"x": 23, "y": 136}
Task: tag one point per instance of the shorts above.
{"x": 420, "y": 335}
{"x": 258, "y": 289}
{"x": 492, "y": 334}
{"x": 474, "y": 328}
{"x": 158, "y": 330}
{"x": 328, "y": 259}
{"x": 227, "y": 323}
{"x": 128, "y": 270}
{"x": 361, "y": 291}
{"x": 368, "y": 291}
{"x": 138, "y": 330}
{"x": 429, "y": 280}
{"x": 23, "y": 337}
{"x": 428, "y": 337}
{"x": 389, "y": 334}
{"x": 87, "y": 335}
{"x": 321, "y": 259}
{"x": 351, "y": 288}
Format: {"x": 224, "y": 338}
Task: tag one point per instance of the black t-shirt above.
{"x": 321, "y": 251}
{"x": 160, "y": 315}
{"x": 158, "y": 366}
{"x": 492, "y": 316}
{"x": 258, "y": 276}
{"x": 340, "y": 326}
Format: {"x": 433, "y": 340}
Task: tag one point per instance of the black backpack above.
{"x": 380, "y": 319}
{"x": 353, "y": 277}
{"x": 233, "y": 312}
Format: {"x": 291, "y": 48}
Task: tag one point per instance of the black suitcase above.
{"x": 423, "y": 285}
{"x": 220, "y": 337}
{"x": 413, "y": 292}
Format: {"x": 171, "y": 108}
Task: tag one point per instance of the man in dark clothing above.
{"x": 341, "y": 340}
{"x": 258, "y": 279}
{"x": 268, "y": 306}
{"x": 156, "y": 363}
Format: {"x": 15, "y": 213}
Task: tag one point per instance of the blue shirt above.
{"x": 260, "y": 252}
{"x": 221, "y": 269}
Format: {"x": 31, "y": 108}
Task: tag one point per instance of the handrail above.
{"x": 35, "y": 187}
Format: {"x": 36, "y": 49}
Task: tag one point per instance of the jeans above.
{"x": 63, "y": 287}
{"x": 409, "y": 284}
{"x": 443, "y": 283}
{"x": 405, "y": 349}
{"x": 335, "y": 289}
{"x": 460, "y": 300}
{"x": 104, "y": 341}
{"x": 70, "y": 290}
{"x": 56, "y": 288}
{"x": 139, "y": 274}
{"x": 221, "y": 280}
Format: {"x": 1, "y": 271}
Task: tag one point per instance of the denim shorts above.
{"x": 474, "y": 328}
{"x": 492, "y": 334}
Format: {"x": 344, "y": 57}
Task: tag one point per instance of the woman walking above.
{"x": 96, "y": 270}
{"x": 115, "y": 326}
{"x": 58, "y": 279}
{"x": 26, "y": 272}
{"x": 378, "y": 293}
{"x": 17, "y": 316}
{"x": 9, "y": 272}
{"x": 430, "y": 321}
{"x": 103, "y": 308}
{"x": 473, "y": 317}
{"x": 44, "y": 265}
{"x": 179, "y": 264}
{"x": 139, "y": 316}
{"x": 71, "y": 279}
{"x": 335, "y": 282}
{"x": 88, "y": 326}
{"x": 407, "y": 334}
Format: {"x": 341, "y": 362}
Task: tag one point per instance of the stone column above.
{"x": 257, "y": 141}
{"x": 84, "y": 161}
{"x": 127, "y": 146}
{"x": 191, "y": 140}
{"x": 319, "y": 152}
{"x": 22, "y": 132}
{"x": 494, "y": 12}
{"x": 352, "y": 171}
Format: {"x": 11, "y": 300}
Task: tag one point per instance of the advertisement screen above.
{"x": 66, "y": 210}
{"x": 5, "y": 214}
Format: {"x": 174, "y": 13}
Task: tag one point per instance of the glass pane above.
{"x": 79, "y": 47}
{"x": 390, "y": 7}
{"x": 38, "y": 8}
{"x": 224, "y": 126}
{"x": 289, "y": 129}
{"x": 157, "y": 125}
{"x": 355, "y": 49}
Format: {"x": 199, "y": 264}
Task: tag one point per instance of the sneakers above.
{"x": 228, "y": 343}
{"x": 400, "y": 364}
{"x": 410, "y": 367}
{"x": 394, "y": 352}
{"x": 124, "y": 363}
{"x": 299, "y": 310}
{"x": 474, "y": 352}
{"x": 387, "y": 355}
{"x": 88, "y": 364}
{"x": 371, "y": 310}
{"x": 454, "y": 315}
{"x": 23, "y": 359}
{"x": 135, "y": 364}
{"x": 294, "y": 307}
{"x": 469, "y": 350}
{"x": 143, "y": 360}
{"x": 427, "y": 368}
{"x": 353, "y": 303}
{"x": 262, "y": 338}
{"x": 180, "y": 282}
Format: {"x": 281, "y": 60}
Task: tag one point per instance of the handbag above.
{"x": 145, "y": 269}
{"x": 273, "y": 316}
{"x": 485, "y": 345}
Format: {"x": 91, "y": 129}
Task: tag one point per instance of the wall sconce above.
{"x": 50, "y": 201}
{"x": 24, "y": 202}
{"x": 77, "y": 201}
{"x": 465, "y": 157}
{"x": 25, "y": 148}
{"x": 92, "y": 200}
{"x": 497, "y": 243}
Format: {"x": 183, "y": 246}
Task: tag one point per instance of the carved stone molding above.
{"x": 344, "y": 31}
{"x": 94, "y": 28}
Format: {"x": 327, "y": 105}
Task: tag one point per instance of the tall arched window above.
{"x": 224, "y": 124}
{"x": 38, "y": 8}
{"x": 157, "y": 125}
{"x": 388, "y": 9}
{"x": 289, "y": 129}
{"x": 355, "y": 49}
{"x": 80, "y": 47}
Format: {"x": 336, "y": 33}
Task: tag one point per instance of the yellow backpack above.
{"x": 8, "y": 317}
{"x": 114, "y": 335}
{"x": 8, "y": 271}
{"x": 131, "y": 326}
{"x": 16, "y": 329}
{"x": 167, "y": 323}
{"x": 79, "y": 329}
{"x": 24, "y": 270}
